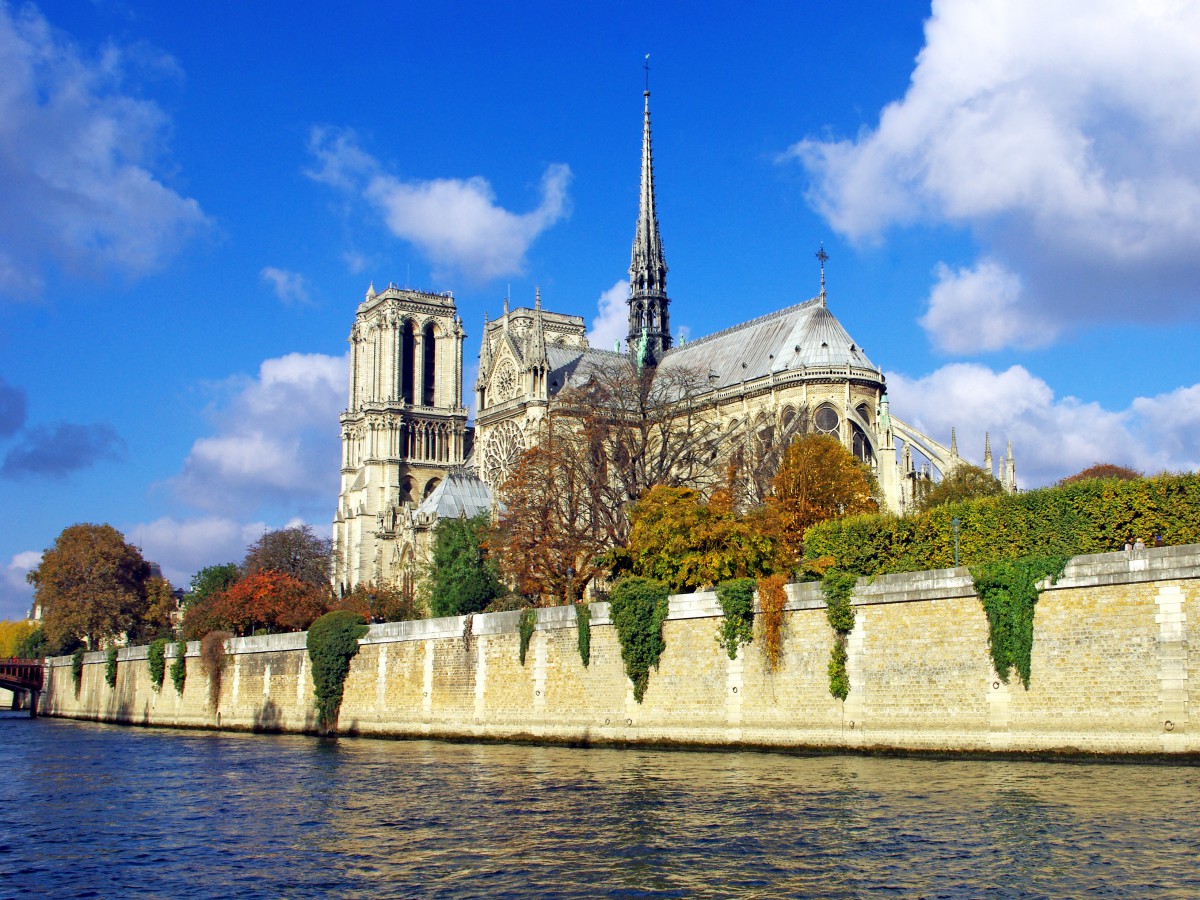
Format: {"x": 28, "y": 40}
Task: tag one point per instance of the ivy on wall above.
{"x": 332, "y": 642}
{"x": 638, "y": 607}
{"x": 179, "y": 666}
{"x": 837, "y": 588}
{"x": 736, "y": 597}
{"x": 583, "y": 625}
{"x": 1008, "y": 591}
{"x": 77, "y": 669}
{"x": 110, "y": 667}
{"x": 525, "y": 628}
{"x": 771, "y": 600}
{"x": 213, "y": 659}
{"x": 156, "y": 662}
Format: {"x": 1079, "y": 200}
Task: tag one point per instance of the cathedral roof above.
{"x": 806, "y": 335}
{"x": 461, "y": 494}
{"x": 571, "y": 365}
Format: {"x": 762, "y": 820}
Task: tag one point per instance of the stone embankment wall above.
{"x": 1111, "y": 674}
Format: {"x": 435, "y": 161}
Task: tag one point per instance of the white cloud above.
{"x": 289, "y": 287}
{"x": 184, "y": 546}
{"x": 16, "y": 594}
{"x": 612, "y": 322}
{"x": 980, "y": 309}
{"x": 1063, "y": 136}
{"x": 77, "y": 181}
{"x": 1052, "y": 436}
{"x": 274, "y": 440}
{"x": 456, "y": 223}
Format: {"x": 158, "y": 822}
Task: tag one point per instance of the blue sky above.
{"x": 194, "y": 200}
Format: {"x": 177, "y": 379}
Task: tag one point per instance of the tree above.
{"x": 679, "y": 538}
{"x": 211, "y": 580}
{"x": 265, "y": 601}
{"x": 964, "y": 483}
{"x": 16, "y": 636}
{"x": 1103, "y": 470}
{"x": 818, "y": 479}
{"x": 295, "y": 551}
{"x": 605, "y": 443}
{"x": 91, "y": 586}
{"x": 380, "y": 603}
{"x": 462, "y": 577}
{"x": 161, "y": 607}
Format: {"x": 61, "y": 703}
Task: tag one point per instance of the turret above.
{"x": 649, "y": 321}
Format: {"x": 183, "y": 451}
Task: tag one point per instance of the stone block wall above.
{"x": 1111, "y": 673}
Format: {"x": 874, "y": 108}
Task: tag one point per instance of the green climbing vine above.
{"x": 736, "y": 597}
{"x": 77, "y": 669}
{"x": 1008, "y": 591}
{"x": 156, "y": 662}
{"x": 583, "y": 624}
{"x": 179, "y": 666}
{"x": 110, "y": 667}
{"x": 837, "y": 588}
{"x": 525, "y": 627}
{"x": 638, "y": 607}
{"x": 213, "y": 660}
{"x": 332, "y": 642}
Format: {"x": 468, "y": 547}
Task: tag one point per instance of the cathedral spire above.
{"x": 647, "y": 267}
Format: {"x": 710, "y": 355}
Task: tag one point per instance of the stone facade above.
{"x": 404, "y": 428}
{"x": 1111, "y": 674}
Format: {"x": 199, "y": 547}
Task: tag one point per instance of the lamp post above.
{"x": 955, "y": 522}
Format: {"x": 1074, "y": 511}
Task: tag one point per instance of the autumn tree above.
{"x": 1103, "y": 471}
{"x": 462, "y": 577}
{"x": 380, "y": 603}
{"x": 966, "y": 482}
{"x": 265, "y": 601}
{"x": 15, "y": 637}
{"x": 818, "y": 479}
{"x": 757, "y": 454}
{"x": 685, "y": 541}
{"x": 91, "y": 586}
{"x": 609, "y": 438}
{"x": 211, "y": 580}
{"x": 295, "y": 551}
{"x": 161, "y": 607}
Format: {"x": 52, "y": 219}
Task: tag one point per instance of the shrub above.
{"x": 110, "y": 667}
{"x": 77, "y": 669}
{"x": 583, "y": 624}
{"x": 525, "y": 627}
{"x": 332, "y": 642}
{"x": 771, "y": 600}
{"x": 639, "y": 607}
{"x": 156, "y": 662}
{"x": 179, "y": 666}
{"x": 213, "y": 659}
{"x": 736, "y": 597}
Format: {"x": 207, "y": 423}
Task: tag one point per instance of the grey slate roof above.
{"x": 570, "y": 364}
{"x": 461, "y": 493}
{"x": 804, "y": 335}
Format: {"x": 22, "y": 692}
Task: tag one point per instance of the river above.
{"x": 106, "y": 811}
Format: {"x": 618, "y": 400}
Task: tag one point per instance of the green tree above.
{"x": 295, "y": 551}
{"x": 15, "y": 636}
{"x": 966, "y": 482}
{"x": 211, "y": 580}
{"x": 461, "y": 578}
{"x": 91, "y": 586}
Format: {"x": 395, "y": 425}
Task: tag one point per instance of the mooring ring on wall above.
{"x": 735, "y": 690}
{"x": 1169, "y": 725}
{"x": 852, "y": 723}
{"x": 537, "y": 693}
{"x": 606, "y": 721}
{"x": 629, "y": 722}
{"x": 426, "y": 694}
{"x": 995, "y": 685}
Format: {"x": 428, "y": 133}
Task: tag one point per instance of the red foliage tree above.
{"x": 267, "y": 600}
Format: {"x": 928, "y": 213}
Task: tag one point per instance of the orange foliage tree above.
{"x": 818, "y": 479}
{"x": 1103, "y": 470}
{"x": 380, "y": 603}
{"x": 267, "y": 600}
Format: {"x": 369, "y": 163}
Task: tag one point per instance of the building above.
{"x": 760, "y": 377}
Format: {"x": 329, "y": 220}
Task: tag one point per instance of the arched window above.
{"x": 860, "y": 446}
{"x": 864, "y": 411}
{"x": 432, "y": 483}
{"x": 408, "y": 341}
{"x": 428, "y": 365}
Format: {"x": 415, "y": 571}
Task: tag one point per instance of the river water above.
{"x": 105, "y": 811}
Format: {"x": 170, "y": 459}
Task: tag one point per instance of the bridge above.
{"x": 25, "y": 678}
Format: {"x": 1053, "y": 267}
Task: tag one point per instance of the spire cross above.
{"x": 822, "y": 258}
{"x": 646, "y": 66}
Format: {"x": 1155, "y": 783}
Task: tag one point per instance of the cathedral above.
{"x": 409, "y": 457}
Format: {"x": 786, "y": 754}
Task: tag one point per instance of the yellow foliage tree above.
{"x": 13, "y": 635}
